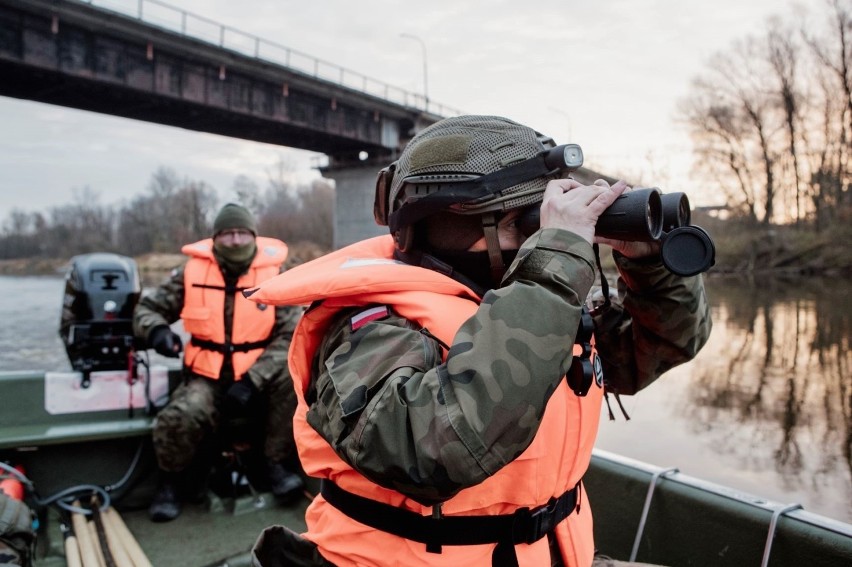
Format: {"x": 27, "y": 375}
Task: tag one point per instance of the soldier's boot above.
{"x": 165, "y": 506}
{"x": 286, "y": 486}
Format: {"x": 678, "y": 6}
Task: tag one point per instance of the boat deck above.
{"x": 213, "y": 533}
{"x": 218, "y": 537}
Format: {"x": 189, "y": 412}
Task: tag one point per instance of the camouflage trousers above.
{"x": 16, "y": 532}
{"x": 195, "y": 413}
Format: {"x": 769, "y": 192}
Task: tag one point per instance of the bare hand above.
{"x": 631, "y": 249}
{"x": 569, "y": 205}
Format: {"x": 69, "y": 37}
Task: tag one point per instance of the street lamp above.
{"x": 425, "y": 73}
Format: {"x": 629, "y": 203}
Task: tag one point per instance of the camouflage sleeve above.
{"x": 660, "y": 320}
{"x": 272, "y": 364}
{"x": 160, "y": 307}
{"x": 385, "y": 402}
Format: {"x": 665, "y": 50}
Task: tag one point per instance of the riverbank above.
{"x": 739, "y": 250}
{"x": 152, "y": 267}
{"x": 743, "y": 248}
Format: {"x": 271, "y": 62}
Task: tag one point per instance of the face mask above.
{"x": 475, "y": 265}
{"x": 235, "y": 259}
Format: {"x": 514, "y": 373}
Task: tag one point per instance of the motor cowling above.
{"x": 101, "y": 292}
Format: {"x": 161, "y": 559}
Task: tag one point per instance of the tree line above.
{"x": 170, "y": 212}
{"x": 771, "y": 119}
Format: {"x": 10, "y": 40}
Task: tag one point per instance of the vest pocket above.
{"x": 196, "y": 321}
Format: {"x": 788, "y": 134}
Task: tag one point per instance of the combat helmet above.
{"x": 470, "y": 166}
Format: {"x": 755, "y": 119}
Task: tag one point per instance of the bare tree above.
{"x": 248, "y": 193}
{"x": 81, "y": 227}
{"x": 729, "y": 115}
{"x": 784, "y": 58}
{"x": 832, "y": 48}
{"x": 19, "y": 238}
{"x": 172, "y": 213}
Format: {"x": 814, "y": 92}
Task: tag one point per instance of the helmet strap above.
{"x": 430, "y": 262}
{"x": 492, "y": 241}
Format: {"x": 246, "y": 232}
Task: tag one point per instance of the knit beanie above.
{"x": 234, "y": 216}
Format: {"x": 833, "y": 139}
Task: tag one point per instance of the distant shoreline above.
{"x": 152, "y": 267}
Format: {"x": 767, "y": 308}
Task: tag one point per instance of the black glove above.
{"x": 241, "y": 393}
{"x": 165, "y": 342}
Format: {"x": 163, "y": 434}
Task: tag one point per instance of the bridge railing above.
{"x": 172, "y": 18}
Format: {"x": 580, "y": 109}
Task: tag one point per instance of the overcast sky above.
{"x": 606, "y": 74}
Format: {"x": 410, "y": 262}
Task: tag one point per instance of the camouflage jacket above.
{"x": 534, "y": 317}
{"x": 164, "y": 305}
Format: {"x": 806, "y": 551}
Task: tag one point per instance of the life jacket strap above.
{"x": 225, "y": 288}
{"x": 230, "y": 348}
{"x": 525, "y": 525}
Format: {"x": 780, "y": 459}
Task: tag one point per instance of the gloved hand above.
{"x": 166, "y": 342}
{"x": 241, "y": 393}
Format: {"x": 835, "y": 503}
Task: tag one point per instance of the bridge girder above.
{"x": 74, "y": 55}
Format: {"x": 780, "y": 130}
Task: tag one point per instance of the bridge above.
{"x": 161, "y": 64}
{"x": 165, "y": 65}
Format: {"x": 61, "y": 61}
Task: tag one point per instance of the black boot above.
{"x": 165, "y": 506}
{"x": 285, "y": 485}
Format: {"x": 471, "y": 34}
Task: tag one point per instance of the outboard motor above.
{"x": 101, "y": 292}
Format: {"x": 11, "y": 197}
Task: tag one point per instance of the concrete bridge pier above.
{"x": 355, "y": 190}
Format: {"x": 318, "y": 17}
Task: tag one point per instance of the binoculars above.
{"x": 648, "y": 215}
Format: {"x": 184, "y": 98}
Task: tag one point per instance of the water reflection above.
{"x": 781, "y": 384}
{"x": 766, "y": 406}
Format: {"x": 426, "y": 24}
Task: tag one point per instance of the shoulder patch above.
{"x": 368, "y": 315}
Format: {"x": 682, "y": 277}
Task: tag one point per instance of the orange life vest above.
{"x": 203, "y": 311}
{"x": 365, "y": 274}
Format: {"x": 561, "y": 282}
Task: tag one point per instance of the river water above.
{"x": 765, "y": 408}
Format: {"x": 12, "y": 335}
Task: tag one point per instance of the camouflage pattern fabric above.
{"x": 194, "y": 412}
{"x": 194, "y": 408}
{"x": 633, "y": 351}
{"x": 384, "y": 401}
{"x": 16, "y": 532}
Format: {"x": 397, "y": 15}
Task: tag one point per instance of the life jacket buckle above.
{"x": 540, "y": 521}
{"x": 532, "y": 525}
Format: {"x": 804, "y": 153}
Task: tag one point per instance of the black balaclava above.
{"x": 235, "y": 260}
{"x": 447, "y": 236}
